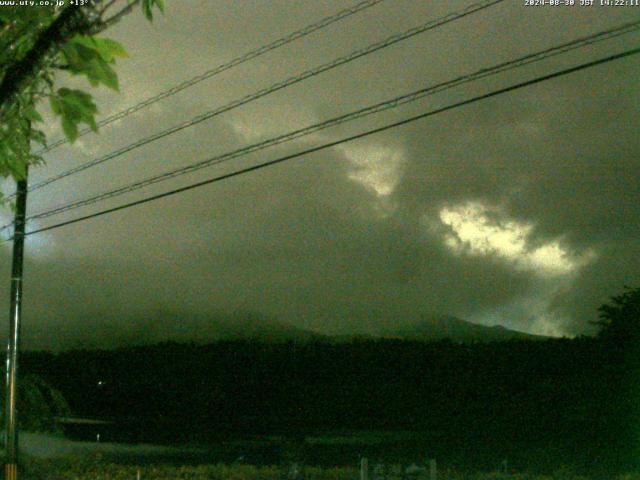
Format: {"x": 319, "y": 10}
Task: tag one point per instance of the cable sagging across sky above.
{"x": 280, "y": 42}
{"x": 357, "y": 114}
{"x": 432, "y": 24}
{"x": 325, "y": 146}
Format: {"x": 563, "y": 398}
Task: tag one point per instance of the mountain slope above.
{"x": 436, "y": 328}
{"x": 109, "y": 331}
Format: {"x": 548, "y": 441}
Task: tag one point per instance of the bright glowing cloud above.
{"x": 531, "y": 312}
{"x": 378, "y": 168}
{"x": 548, "y": 325}
{"x": 478, "y": 230}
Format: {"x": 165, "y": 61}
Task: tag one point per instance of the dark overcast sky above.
{"x": 521, "y": 210}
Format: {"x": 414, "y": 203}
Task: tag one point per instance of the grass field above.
{"x": 95, "y": 468}
{"x": 46, "y": 457}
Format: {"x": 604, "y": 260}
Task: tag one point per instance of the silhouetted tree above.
{"x": 620, "y": 319}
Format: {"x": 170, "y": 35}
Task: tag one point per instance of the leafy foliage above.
{"x": 147, "y": 7}
{"x": 15, "y": 151}
{"x": 93, "y": 58}
{"x": 81, "y": 53}
{"x": 74, "y": 106}
{"x": 18, "y": 33}
{"x": 620, "y": 319}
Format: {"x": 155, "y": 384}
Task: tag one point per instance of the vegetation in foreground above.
{"x": 95, "y": 468}
{"x": 537, "y": 404}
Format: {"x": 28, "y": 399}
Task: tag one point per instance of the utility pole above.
{"x": 13, "y": 343}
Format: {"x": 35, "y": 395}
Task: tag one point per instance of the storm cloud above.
{"x": 521, "y": 210}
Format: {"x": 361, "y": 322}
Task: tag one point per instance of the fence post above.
{"x": 364, "y": 468}
{"x": 433, "y": 469}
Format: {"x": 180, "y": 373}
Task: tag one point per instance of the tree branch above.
{"x": 107, "y": 6}
{"x": 71, "y": 20}
{"x": 115, "y": 17}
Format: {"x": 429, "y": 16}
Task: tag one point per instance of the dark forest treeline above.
{"x": 575, "y": 400}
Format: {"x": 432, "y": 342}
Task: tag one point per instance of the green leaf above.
{"x": 73, "y": 57}
{"x": 101, "y": 72}
{"x": 18, "y": 169}
{"x": 79, "y": 103}
{"x": 75, "y": 107}
{"x": 84, "y": 60}
{"x": 105, "y": 47}
{"x": 110, "y": 48}
{"x": 85, "y": 40}
{"x": 77, "y": 99}
{"x": 38, "y": 136}
{"x": 147, "y": 8}
{"x": 70, "y": 128}
{"x": 32, "y": 115}
{"x": 56, "y": 105}
{"x": 92, "y": 124}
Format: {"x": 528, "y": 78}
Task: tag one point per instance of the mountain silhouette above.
{"x": 109, "y": 331}
{"x": 434, "y": 328}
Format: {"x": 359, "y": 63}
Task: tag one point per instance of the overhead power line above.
{"x": 280, "y": 42}
{"x": 325, "y": 146}
{"x": 274, "y": 88}
{"x": 360, "y": 113}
